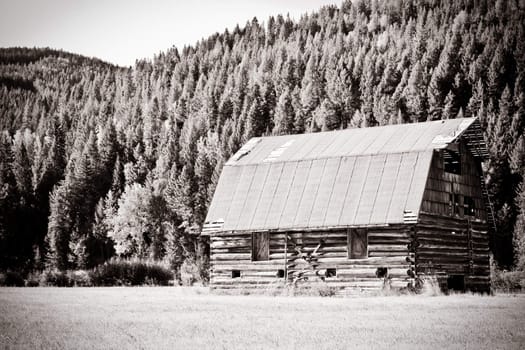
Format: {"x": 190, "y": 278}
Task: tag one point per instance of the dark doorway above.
{"x": 456, "y": 283}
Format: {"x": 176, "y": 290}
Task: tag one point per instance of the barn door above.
{"x": 260, "y": 246}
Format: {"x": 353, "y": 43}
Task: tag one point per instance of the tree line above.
{"x": 99, "y": 161}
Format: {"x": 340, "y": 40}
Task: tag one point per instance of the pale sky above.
{"x": 121, "y": 31}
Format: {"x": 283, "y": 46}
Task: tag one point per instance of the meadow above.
{"x": 192, "y": 318}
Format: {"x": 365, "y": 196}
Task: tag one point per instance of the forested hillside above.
{"x": 98, "y": 160}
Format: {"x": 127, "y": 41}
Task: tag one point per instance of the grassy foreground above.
{"x": 186, "y": 318}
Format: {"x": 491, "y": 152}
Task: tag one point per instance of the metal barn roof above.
{"x": 353, "y": 177}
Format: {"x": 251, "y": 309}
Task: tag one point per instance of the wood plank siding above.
{"x": 441, "y": 184}
{"x": 387, "y": 248}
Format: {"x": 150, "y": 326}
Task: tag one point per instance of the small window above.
{"x": 357, "y": 243}
{"x": 469, "y": 207}
{"x": 382, "y": 272}
{"x": 452, "y": 162}
{"x": 236, "y": 273}
{"x": 280, "y": 273}
{"x": 332, "y": 272}
{"x": 260, "y": 246}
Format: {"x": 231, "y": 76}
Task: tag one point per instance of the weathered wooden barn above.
{"x": 358, "y": 209}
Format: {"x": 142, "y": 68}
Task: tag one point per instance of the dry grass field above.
{"x": 186, "y": 318}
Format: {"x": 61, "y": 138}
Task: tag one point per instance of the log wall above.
{"x": 446, "y": 246}
{"x": 387, "y": 247}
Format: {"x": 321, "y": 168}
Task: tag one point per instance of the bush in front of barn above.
{"x": 11, "y": 279}
{"x": 53, "y": 278}
{"x": 134, "y": 272}
{"x": 116, "y": 272}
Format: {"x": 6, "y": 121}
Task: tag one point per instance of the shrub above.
{"x": 508, "y": 281}
{"x": 54, "y": 278}
{"x": 79, "y": 278}
{"x": 11, "y": 279}
{"x": 194, "y": 271}
{"x": 430, "y": 287}
{"x": 130, "y": 273}
{"x": 314, "y": 289}
{"x": 189, "y": 273}
{"x": 33, "y": 279}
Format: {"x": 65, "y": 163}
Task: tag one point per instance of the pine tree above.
{"x": 443, "y": 76}
{"x": 107, "y": 154}
{"x": 519, "y": 228}
{"x": 311, "y": 88}
{"x": 257, "y": 120}
{"x": 327, "y": 117}
{"x": 504, "y": 132}
{"x": 8, "y": 204}
{"x": 22, "y": 167}
{"x": 450, "y": 111}
{"x": 59, "y": 229}
{"x": 476, "y": 99}
{"x": 415, "y": 94}
{"x": 367, "y": 86}
{"x": 180, "y": 194}
{"x": 495, "y": 73}
{"x": 207, "y": 158}
{"x": 284, "y": 115}
{"x": 168, "y": 151}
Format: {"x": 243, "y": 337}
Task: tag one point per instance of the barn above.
{"x": 358, "y": 210}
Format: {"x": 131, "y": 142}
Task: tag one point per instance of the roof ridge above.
{"x": 422, "y": 150}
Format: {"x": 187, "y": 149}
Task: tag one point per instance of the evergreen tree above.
{"x": 258, "y": 122}
{"x": 311, "y": 88}
{"x": 450, "y": 111}
{"x": 284, "y": 115}
{"x": 415, "y": 92}
{"x": 59, "y": 228}
{"x": 8, "y": 205}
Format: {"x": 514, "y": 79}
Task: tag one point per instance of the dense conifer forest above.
{"x": 99, "y": 161}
